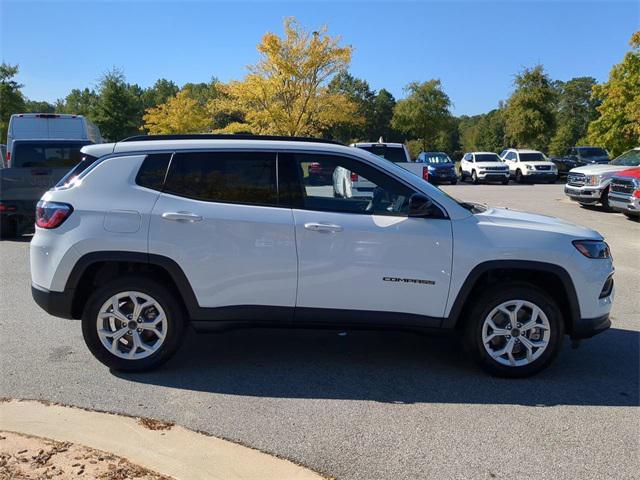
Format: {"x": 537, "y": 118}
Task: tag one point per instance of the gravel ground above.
{"x": 367, "y": 404}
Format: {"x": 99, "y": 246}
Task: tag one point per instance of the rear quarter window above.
{"x": 153, "y": 171}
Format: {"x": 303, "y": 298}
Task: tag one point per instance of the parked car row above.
{"x": 614, "y": 185}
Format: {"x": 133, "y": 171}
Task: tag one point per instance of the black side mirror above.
{"x": 419, "y": 205}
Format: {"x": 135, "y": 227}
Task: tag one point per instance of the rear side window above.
{"x": 46, "y": 154}
{"x": 153, "y": 171}
{"x": 227, "y": 177}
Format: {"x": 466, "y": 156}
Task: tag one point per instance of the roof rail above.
{"x": 222, "y": 136}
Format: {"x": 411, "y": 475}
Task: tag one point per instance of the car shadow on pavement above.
{"x": 394, "y": 367}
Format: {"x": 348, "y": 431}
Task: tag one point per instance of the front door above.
{"x": 361, "y": 252}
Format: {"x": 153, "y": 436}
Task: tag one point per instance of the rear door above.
{"x": 362, "y": 253}
{"x": 220, "y": 219}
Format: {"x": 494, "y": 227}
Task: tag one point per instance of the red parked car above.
{"x": 624, "y": 192}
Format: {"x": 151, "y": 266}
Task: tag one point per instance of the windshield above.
{"x": 593, "y": 152}
{"x": 394, "y": 154}
{"x": 46, "y": 154}
{"x": 435, "y": 157}
{"x": 630, "y": 159}
{"x": 532, "y": 157}
{"x": 487, "y": 157}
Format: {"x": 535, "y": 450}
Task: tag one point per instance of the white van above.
{"x": 54, "y": 126}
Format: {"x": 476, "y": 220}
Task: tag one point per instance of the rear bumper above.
{"x": 58, "y": 304}
{"x": 588, "y": 327}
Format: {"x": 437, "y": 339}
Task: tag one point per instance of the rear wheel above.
{"x": 514, "y": 331}
{"x": 132, "y": 324}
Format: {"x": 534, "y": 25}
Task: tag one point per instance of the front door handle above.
{"x": 186, "y": 217}
{"x": 323, "y": 227}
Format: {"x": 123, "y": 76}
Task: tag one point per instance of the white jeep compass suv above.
{"x": 529, "y": 166}
{"x": 219, "y": 232}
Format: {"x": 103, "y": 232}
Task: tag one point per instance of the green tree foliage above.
{"x": 618, "y": 126}
{"x": 118, "y": 110}
{"x": 160, "y": 92}
{"x": 360, "y": 94}
{"x": 11, "y": 99}
{"x": 530, "y": 112}
{"x": 576, "y": 107}
{"x": 78, "y": 102}
{"x": 424, "y": 114}
{"x": 379, "y": 123}
{"x": 35, "y": 106}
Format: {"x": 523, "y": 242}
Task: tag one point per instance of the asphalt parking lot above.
{"x": 377, "y": 405}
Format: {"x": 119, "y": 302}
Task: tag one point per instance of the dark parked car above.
{"x": 580, "y": 156}
{"x": 441, "y": 167}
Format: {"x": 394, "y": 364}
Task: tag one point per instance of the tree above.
{"x": 618, "y": 126}
{"x": 37, "y": 106}
{"x": 286, "y": 92}
{"x": 118, "y": 110}
{"x": 424, "y": 114}
{"x": 379, "y": 122}
{"x": 78, "y": 102}
{"x": 530, "y": 112}
{"x": 179, "y": 114}
{"x": 576, "y": 107}
{"x": 360, "y": 94}
{"x": 159, "y": 93}
{"x": 11, "y": 99}
{"x": 491, "y": 132}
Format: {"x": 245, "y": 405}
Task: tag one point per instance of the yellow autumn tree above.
{"x": 179, "y": 114}
{"x": 286, "y": 92}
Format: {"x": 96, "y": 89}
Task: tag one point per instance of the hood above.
{"x": 599, "y": 169}
{"x": 534, "y": 221}
{"x": 630, "y": 173}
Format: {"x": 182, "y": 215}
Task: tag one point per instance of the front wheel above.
{"x": 604, "y": 200}
{"x": 132, "y": 324}
{"x": 518, "y": 176}
{"x": 505, "y": 181}
{"x": 454, "y": 181}
{"x": 514, "y": 331}
{"x": 474, "y": 177}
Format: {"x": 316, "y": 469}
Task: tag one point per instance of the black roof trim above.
{"x": 220, "y": 136}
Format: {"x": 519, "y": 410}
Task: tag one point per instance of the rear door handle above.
{"x": 186, "y": 217}
{"x": 323, "y": 227}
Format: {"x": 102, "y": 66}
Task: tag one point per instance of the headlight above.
{"x": 593, "y": 180}
{"x": 592, "y": 248}
{"x": 529, "y": 167}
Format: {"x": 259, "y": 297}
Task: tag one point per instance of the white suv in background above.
{"x": 483, "y": 167}
{"x": 529, "y": 166}
{"x": 227, "y": 231}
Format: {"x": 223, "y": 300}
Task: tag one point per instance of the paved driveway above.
{"x": 367, "y": 404}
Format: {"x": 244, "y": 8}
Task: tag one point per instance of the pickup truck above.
{"x": 580, "y": 156}
{"x": 624, "y": 193}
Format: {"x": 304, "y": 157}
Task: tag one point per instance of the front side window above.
{"x": 351, "y": 186}
{"x": 227, "y": 177}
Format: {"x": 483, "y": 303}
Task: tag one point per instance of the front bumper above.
{"x": 624, "y": 203}
{"x": 583, "y": 194}
{"x": 546, "y": 176}
{"x": 58, "y": 304}
{"x": 493, "y": 176}
{"x": 588, "y": 327}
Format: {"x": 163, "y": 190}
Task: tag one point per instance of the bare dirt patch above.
{"x": 24, "y": 457}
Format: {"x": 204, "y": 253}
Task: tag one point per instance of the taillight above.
{"x": 8, "y": 158}
{"x": 425, "y": 173}
{"x": 7, "y": 208}
{"x": 52, "y": 214}
{"x": 354, "y": 177}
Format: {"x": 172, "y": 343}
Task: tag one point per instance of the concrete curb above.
{"x": 175, "y": 451}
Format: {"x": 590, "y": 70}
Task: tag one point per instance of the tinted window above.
{"x": 592, "y": 152}
{"x": 46, "y": 154}
{"x": 434, "y": 157}
{"x": 532, "y": 157}
{"x": 153, "y": 170}
{"x": 85, "y": 162}
{"x": 353, "y": 187}
{"x": 487, "y": 157}
{"x": 394, "y": 154}
{"x": 232, "y": 177}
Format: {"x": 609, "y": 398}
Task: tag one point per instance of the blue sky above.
{"x": 473, "y": 47}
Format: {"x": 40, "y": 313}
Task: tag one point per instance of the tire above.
{"x": 454, "y": 181}
{"x": 604, "y": 200}
{"x": 172, "y": 328}
{"x": 632, "y": 216}
{"x": 8, "y": 228}
{"x": 474, "y": 177}
{"x": 519, "y": 178}
{"x": 487, "y": 307}
{"x": 505, "y": 181}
